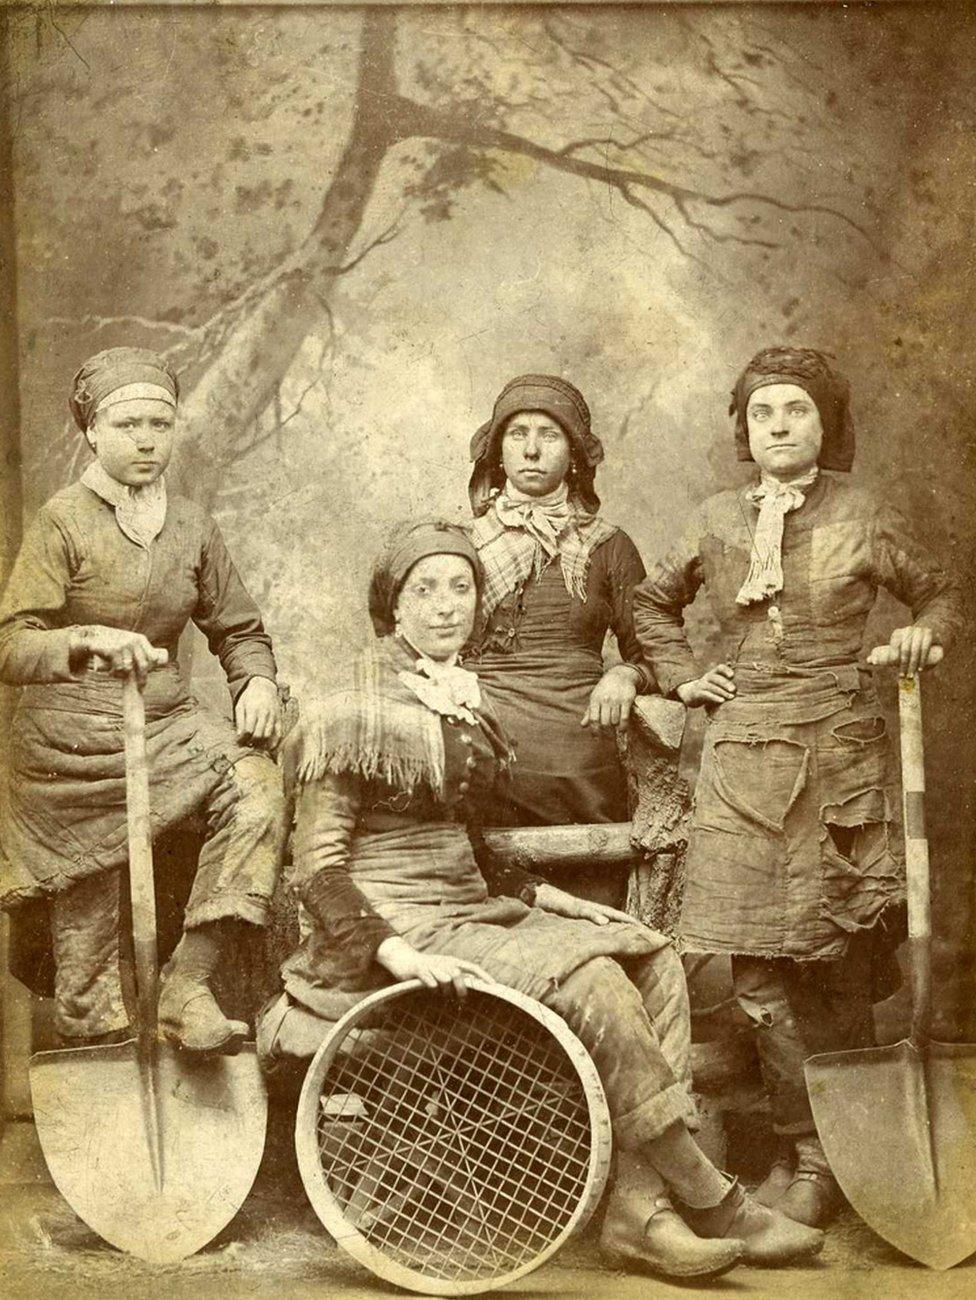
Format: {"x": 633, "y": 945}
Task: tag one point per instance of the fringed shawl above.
{"x": 375, "y": 727}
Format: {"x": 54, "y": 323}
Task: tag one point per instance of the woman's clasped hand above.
{"x": 121, "y": 650}
{"x": 714, "y": 687}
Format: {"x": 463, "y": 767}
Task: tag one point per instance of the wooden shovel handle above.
{"x": 916, "y": 853}
{"x": 141, "y": 885}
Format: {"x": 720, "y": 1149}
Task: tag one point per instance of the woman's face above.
{"x": 785, "y": 433}
{"x": 435, "y": 608}
{"x": 536, "y": 454}
{"x": 133, "y": 440}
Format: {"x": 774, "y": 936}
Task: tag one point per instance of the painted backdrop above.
{"x": 351, "y": 227}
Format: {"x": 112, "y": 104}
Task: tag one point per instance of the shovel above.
{"x": 898, "y": 1124}
{"x": 153, "y": 1148}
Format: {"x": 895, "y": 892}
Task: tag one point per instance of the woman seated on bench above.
{"x": 391, "y": 770}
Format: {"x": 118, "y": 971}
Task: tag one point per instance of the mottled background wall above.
{"x": 636, "y": 198}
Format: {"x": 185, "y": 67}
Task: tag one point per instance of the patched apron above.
{"x": 790, "y": 851}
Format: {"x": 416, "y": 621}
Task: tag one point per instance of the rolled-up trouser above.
{"x": 235, "y": 877}
{"x": 800, "y": 1009}
{"x": 632, "y": 1017}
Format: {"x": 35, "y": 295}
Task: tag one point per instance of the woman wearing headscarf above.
{"x": 392, "y": 769}
{"x": 558, "y": 576}
{"x": 109, "y": 574}
{"x": 790, "y": 865}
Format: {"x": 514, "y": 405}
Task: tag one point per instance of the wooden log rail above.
{"x": 530, "y": 847}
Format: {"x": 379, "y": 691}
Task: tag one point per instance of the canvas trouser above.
{"x": 633, "y": 1019}
{"x": 235, "y": 877}
{"x": 800, "y": 1009}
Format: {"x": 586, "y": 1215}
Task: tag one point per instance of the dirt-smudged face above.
{"x": 133, "y": 439}
{"x": 436, "y": 605}
{"x": 536, "y": 453}
{"x": 785, "y": 433}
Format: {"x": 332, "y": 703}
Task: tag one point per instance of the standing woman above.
{"x": 558, "y": 576}
{"x": 790, "y": 867}
{"x": 109, "y": 574}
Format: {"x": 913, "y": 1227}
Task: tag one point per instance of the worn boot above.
{"x": 813, "y": 1196}
{"x": 770, "y": 1237}
{"x": 189, "y": 1015}
{"x": 641, "y": 1229}
{"x": 773, "y": 1187}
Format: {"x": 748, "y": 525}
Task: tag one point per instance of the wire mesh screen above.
{"x": 455, "y": 1137}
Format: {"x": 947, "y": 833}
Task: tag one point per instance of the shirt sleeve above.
{"x": 229, "y": 618}
{"x": 624, "y": 571}
{"x": 914, "y": 575}
{"x": 326, "y": 816}
{"x": 658, "y": 603}
{"x": 34, "y": 643}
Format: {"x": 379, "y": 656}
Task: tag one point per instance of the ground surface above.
{"x": 276, "y": 1247}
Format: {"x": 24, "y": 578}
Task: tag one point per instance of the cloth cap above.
{"x": 811, "y": 371}
{"x": 559, "y": 399}
{"x": 408, "y": 543}
{"x": 105, "y": 373}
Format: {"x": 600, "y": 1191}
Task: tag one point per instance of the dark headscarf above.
{"x": 564, "y": 404}
{"x": 812, "y": 372}
{"x": 408, "y": 543}
{"x": 116, "y": 368}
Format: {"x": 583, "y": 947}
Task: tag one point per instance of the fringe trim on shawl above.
{"x": 376, "y": 729}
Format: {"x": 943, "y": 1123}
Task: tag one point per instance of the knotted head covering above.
{"x": 122, "y": 374}
{"x": 565, "y": 404}
{"x": 406, "y": 544}
{"x": 811, "y": 371}
{"x": 385, "y": 721}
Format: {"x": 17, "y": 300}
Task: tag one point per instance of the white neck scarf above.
{"x": 774, "y": 500}
{"x": 140, "y": 512}
{"x": 443, "y": 686}
{"x": 544, "y": 518}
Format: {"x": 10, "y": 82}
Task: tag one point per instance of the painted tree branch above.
{"x": 416, "y": 119}
{"x": 262, "y": 343}
{"x": 242, "y": 354}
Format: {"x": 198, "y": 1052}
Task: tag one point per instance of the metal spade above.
{"x": 898, "y": 1123}
{"x": 155, "y": 1149}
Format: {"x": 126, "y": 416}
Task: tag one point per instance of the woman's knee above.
{"x": 597, "y": 995}
{"x": 251, "y": 794}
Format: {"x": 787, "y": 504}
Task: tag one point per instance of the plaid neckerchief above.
{"x": 510, "y": 547}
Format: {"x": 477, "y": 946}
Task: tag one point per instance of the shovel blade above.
{"x": 898, "y": 1125}
{"x": 91, "y": 1122}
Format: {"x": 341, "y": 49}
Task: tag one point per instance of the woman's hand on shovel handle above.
{"x": 119, "y": 649}
{"x": 909, "y": 649}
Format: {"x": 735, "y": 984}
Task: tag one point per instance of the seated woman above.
{"x": 108, "y": 576}
{"x": 558, "y": 576}
{"x": 790, "y": 867}
{"x": 390, "y": 770}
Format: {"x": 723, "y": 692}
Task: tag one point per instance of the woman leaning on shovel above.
{"x": 108, "y": 576}
{"x": 790, "y": 867}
